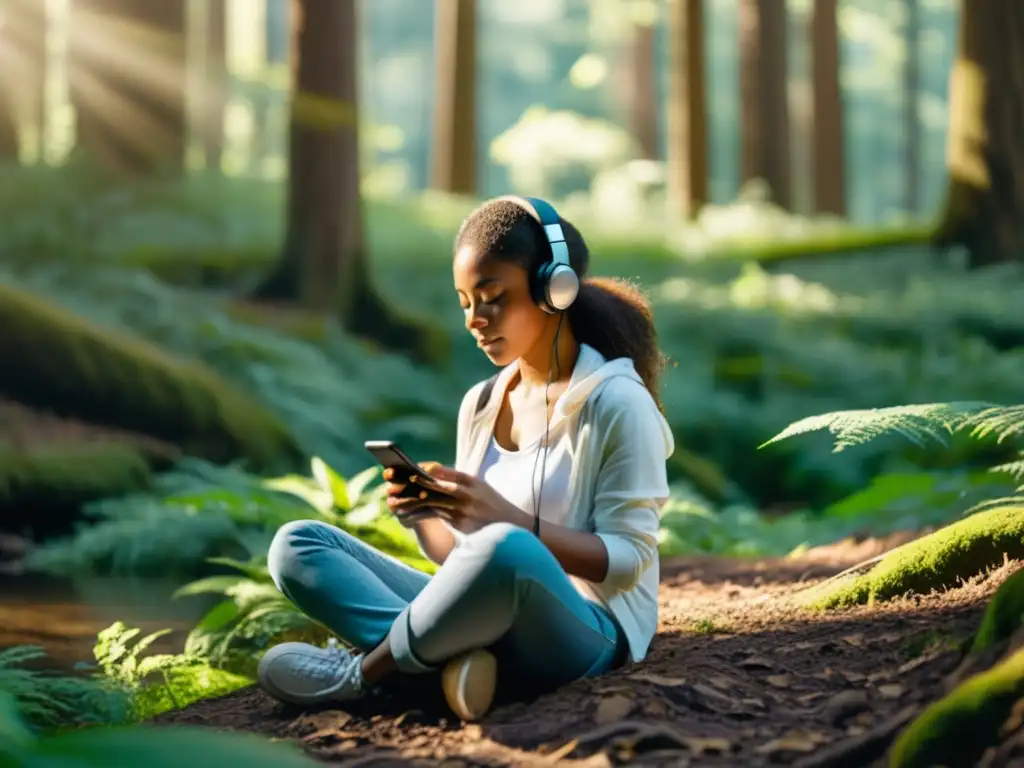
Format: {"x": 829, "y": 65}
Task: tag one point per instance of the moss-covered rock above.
{"x": 938, "y": 561}
{"x": 60, "y": 361}
{"x": 958, "y": 728}
{"x": 1004, "y": 614}
{"x": 43, "y": 489}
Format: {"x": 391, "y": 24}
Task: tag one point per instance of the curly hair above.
{"x": 612, "y": 315}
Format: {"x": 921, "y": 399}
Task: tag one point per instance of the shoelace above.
{"x": 326, "y": 667}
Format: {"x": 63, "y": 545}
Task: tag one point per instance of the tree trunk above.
{"x": 324, "y": 264}
{"x": 827, "y": 124}
{"x": 22, "y": 76}
{"x": 643, "y": 95}
{"x": 764, "y": 102}
{"x": 687, "y": 145}
{"x": 911, "y": 123}
{"x": 454, "y": 166}
{"x": 984, "y": 207}
{"x": 216, "y": 82}
{"x": 127, "y": 78}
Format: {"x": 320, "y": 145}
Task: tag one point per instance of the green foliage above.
{"x": 915, "y": 422}
{"x": 47, "y": 701}
{"x": 200, "y": 511}
{"x": 158, "y": 682}
{"x": 938, "y": 561}
{"x": 1004, "y": 614}
{"x": 136, "y": 746}
{"x": 979, "y": 706}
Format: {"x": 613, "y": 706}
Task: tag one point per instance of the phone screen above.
{"x": 388, "y": 454}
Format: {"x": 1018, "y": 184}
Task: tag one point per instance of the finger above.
{"x": 429, "y": 466}
{"x": 396, "y": 489}
{"x": 452, "y": 475}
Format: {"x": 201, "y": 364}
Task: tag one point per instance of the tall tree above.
{"x": 984, "y": 209}
{"x": 216, "y": 82}
{"x": 764, "y": 102}
{"x": 643, "y": 91}
{"x": 911, "y": 122}
{"x": 454, "y": 162}
{"x": 324, "y": 264}
{"x": 827, "y": 123}
{"x": 127, "y": 76}
{"x": 23, "y": 27}
{"x": 687, "y": 145}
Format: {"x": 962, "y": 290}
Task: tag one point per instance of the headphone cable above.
{"x": 538, "y": 493}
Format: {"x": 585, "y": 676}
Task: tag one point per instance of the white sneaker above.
{"x": 300, "y": 673}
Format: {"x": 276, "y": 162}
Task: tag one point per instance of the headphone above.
{"x": 555, "y": 285}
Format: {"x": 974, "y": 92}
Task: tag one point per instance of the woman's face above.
{"x": 495, "y": 297}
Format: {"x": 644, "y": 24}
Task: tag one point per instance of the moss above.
{"x": 1004, "y": 614}
{"x": 75, "y": 368}
{"x": 978, "y": 706}
{"x": 937, "y": 561}
{"x": 44, "y": 489}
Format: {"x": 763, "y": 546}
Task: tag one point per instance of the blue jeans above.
{"x": 501, "y": 589}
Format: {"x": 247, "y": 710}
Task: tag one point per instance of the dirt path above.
{"x": 738, "y": 675}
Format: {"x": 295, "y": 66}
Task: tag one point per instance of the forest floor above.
{"x": 739, "y": 674}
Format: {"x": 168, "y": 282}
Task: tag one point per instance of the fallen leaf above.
{"x": 662, "y": 680}
{"x": 699, "y": 745}
{"x": 473, "y": 732}
{"x": 857, "y": 641}
{"x": 890, "y": 691}
{"x": 656, "y": 708}
{"x": 852, "y": 677}
{"x": 756, "y": 662}
{"x": 825, "y": 674}
{"x": 723, "y": 682}
{"x": 779, "y": 681}
{"x": 793, "y": 741}
{"x": 845, "y": 705}
{"x": 612, "y": 708}
{"x": 615, "y": 688}
{"x": 856, "y": 730}
{"x": 710, "y": 692}
{"x": 810, "y": 698}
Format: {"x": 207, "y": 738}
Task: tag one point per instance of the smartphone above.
{"x": 388, "y": 454}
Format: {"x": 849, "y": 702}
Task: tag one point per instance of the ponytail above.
{"x": 614, "y": 317}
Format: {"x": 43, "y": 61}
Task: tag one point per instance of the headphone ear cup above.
{"x": 561, "y": 286}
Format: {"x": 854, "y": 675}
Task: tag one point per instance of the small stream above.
{"x": 63, "y": 615}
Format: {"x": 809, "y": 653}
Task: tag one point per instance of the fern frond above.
{"x": 1014, "y": 469}
{"x": 918, "y": 423}
{"x": 1003, "y": 421}
{"x": 46, "y": 700}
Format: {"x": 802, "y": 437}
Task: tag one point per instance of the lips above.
{"x": 485, "y": 343}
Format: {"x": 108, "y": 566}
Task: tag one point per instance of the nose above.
{"x": 474, "y": 319}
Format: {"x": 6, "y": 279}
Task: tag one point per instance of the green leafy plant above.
{"x": 135, "y": 746}
{"x": 48, "y": 700}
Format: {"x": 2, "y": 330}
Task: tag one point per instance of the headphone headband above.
{"x": 556, "y": 283}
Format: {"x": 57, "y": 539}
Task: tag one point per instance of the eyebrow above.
{"x": 484, "y": 282}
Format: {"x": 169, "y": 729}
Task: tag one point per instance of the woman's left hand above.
{"x": 473, "y": 499}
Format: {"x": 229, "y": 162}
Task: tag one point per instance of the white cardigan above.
{"x": 619, "y": 442}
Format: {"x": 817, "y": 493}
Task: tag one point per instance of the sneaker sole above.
{"x": 469, "y": 683}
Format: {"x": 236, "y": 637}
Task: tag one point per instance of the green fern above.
{"x": 158, "y": 682}
{"x": 134, "y": 746}
{"x": 48, "y": 700}
{"x": 918, "y": 423}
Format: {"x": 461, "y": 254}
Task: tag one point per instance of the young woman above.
{"x": 547, "y": 541}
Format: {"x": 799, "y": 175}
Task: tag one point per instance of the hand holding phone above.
{"x": 409, "y": 479}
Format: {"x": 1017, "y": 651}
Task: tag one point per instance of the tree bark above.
{"x": 216, "y": 82}
{"x": 764, "y": 102}
{"x": 911, "y": 122}
{"x": 643, "y": 95}
{"x": 454, "y": 166}
{"x": 984, "y": 207}
{"x": 324, "y": 264}
{"x": 22, "y": 77}
{"x": 827, "y": 125}
{"x": 687, "y": 145}
{"x": 127, "y": 78}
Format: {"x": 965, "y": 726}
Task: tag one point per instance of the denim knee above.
{"x": 507, "y": 549}
{"x": 284, "y": 558}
